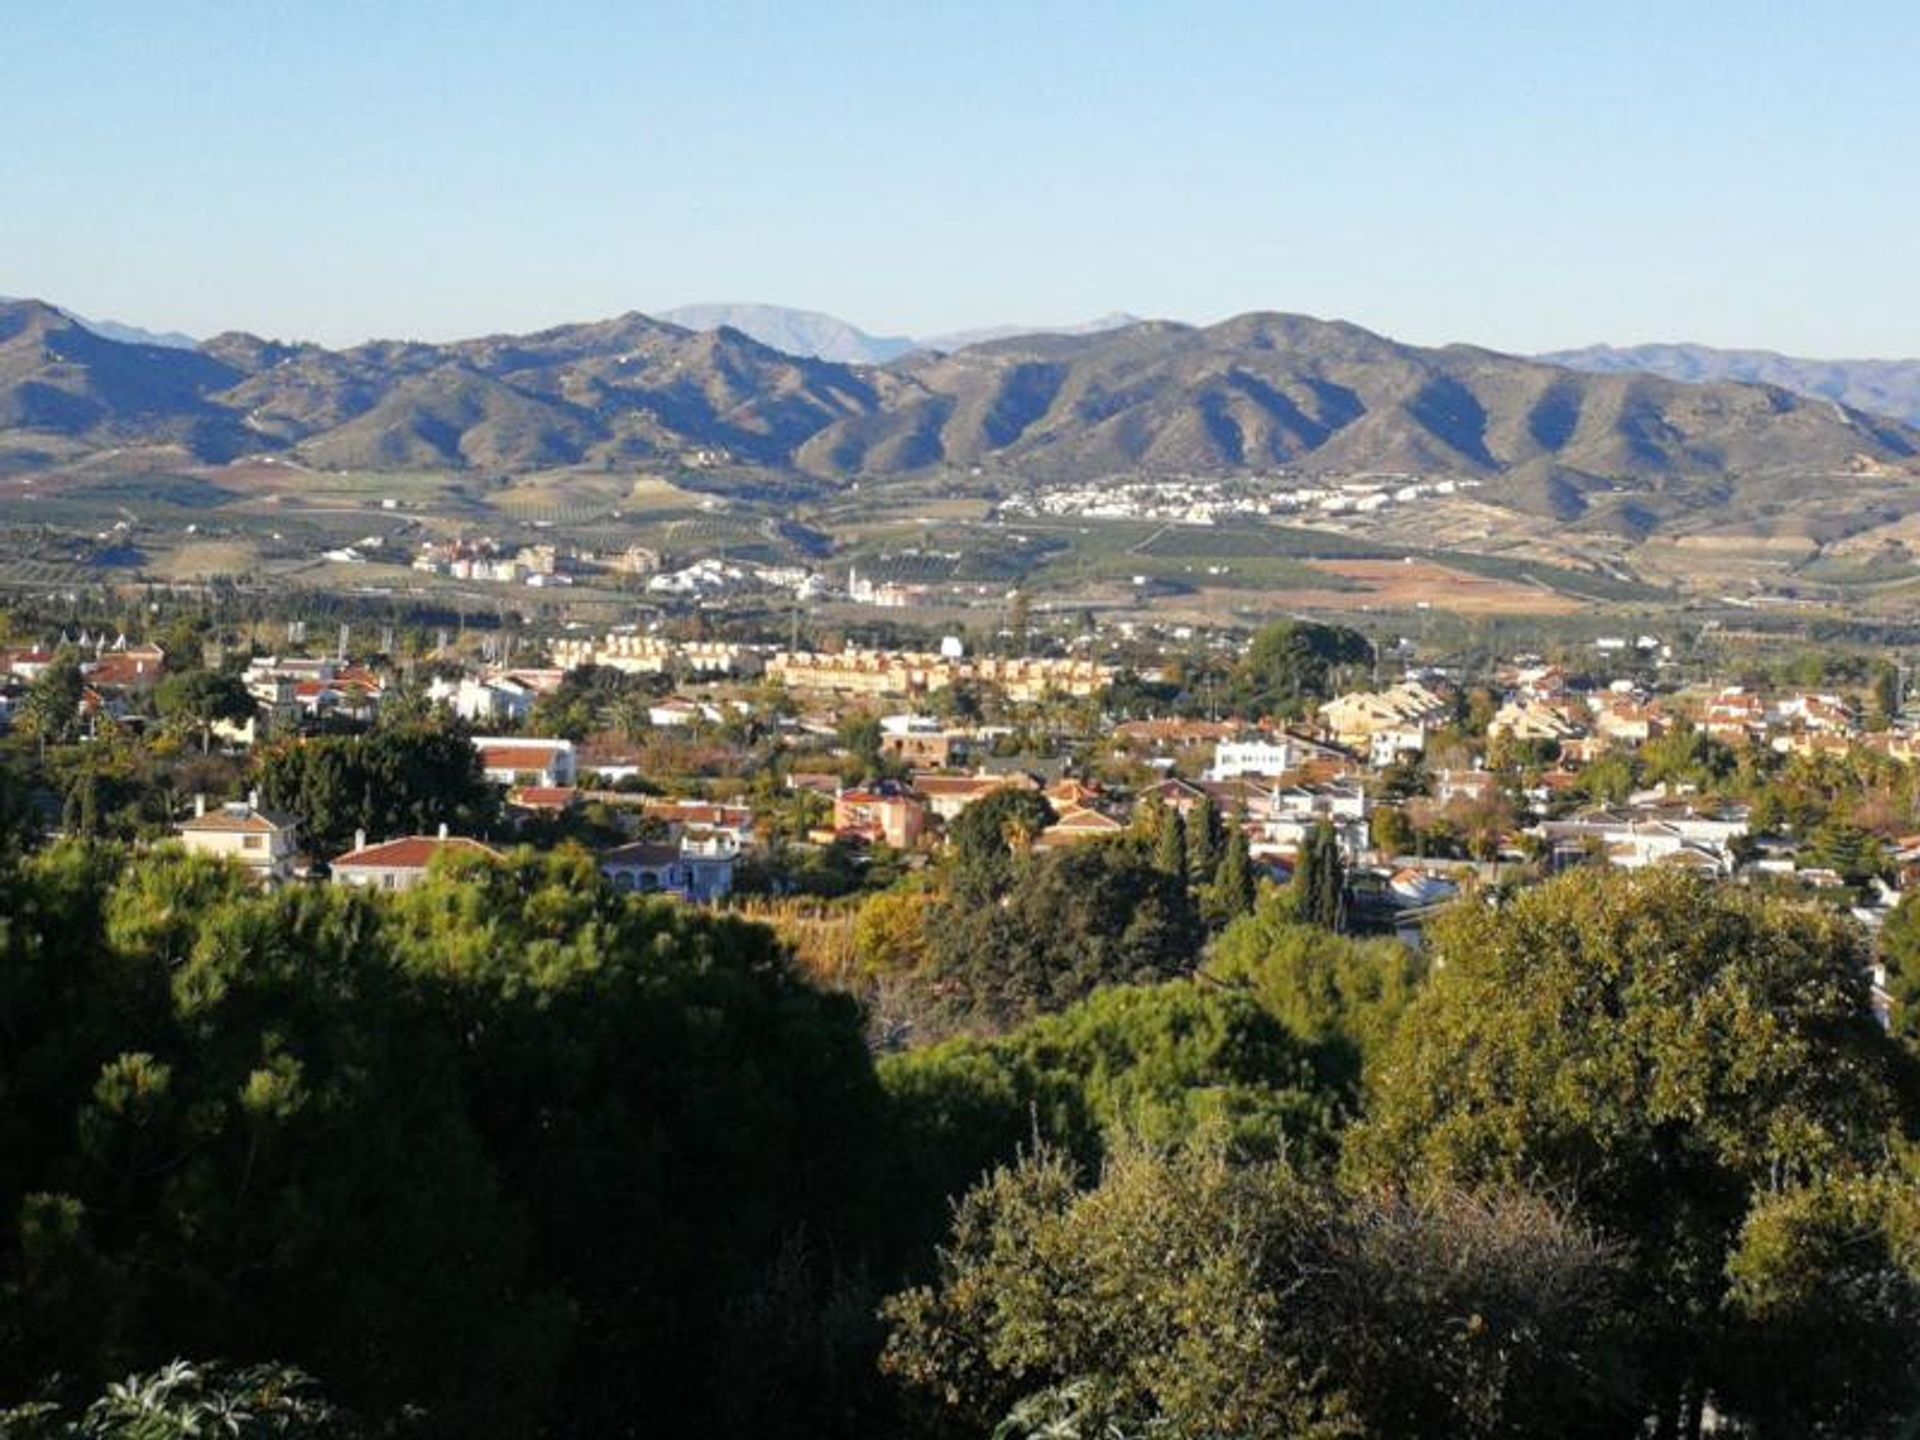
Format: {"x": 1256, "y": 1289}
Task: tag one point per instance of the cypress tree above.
{"x": 1319, "y": 880}
{"x": 1232, "y": 893}
{"x": 1170, "y": 842}
{"x": 1203, "y": 843}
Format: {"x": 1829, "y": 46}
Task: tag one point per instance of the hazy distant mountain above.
{"x": 961, "y": 339}
{"x": 825, "y": 337}
{"x": 1253, "y": 394}
{"x": 130, "y": 334}
{"x": 797, "y": 332}
{"x": 1885, "y": 387}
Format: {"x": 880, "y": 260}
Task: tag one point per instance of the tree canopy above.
{"x": 1289, "y": 665}
{"x": 399, "y": 780}
{"x": 1672, "y": 1057}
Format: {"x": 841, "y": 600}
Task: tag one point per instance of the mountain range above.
{"x": 1885, "y": 387}
{"x": 1257, "y": 393}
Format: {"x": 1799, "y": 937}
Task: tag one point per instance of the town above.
{"x": 728, "y": 772}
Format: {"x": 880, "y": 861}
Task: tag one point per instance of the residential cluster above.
{"x": 1426, "y": 783}
{"x": 1210, "y": 502}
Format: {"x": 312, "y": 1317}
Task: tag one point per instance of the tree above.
{"x": 1664, "y": 1053}
{"x": 1189, "y": 1296}
{"x": 1685, "y": 755}
{"x": 391, "y": 782}
{"x": 1900, "y": 953}
{"x": 984, "y": 836}
{"x": 1825, "y": 1302}
{"x": 1847, "y": 850}
{"x": 1391, "y": 833}
{"x": 50, "y": 711}
{"x": 1162, "y": 1063}
{"x": 1294, "y": 663}
{"x": 1320, "y": 880}
{"x": 1019, "y": 618}
{"x": 860, "y": 736}
{"x": 1886, "y": 695}
{"x": 1169, "y": 835}
{"x": 201, "y": 699}
{"x": 1073, "y": 920}
{"x": 1342, "y": 996}
{"x": 890, "y": 935}
{"x": 509, "y": 1147}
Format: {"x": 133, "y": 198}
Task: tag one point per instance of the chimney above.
{"x": 253, "y": 799}
{"x": 443, "y": 829}
{"x": 359, "y": 840}
{"x": 199, "y": 804}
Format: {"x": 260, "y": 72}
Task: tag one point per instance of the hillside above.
{"x": 59, "y": 378}
{"x": 1881, "y": 387}
{"x": 1262, "y": 392}
{"x": 1254, "y": 394}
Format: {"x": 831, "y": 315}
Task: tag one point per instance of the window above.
{"x": 253, "y": 842}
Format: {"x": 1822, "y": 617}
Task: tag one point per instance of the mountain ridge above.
{"x": 1254, "y": 394}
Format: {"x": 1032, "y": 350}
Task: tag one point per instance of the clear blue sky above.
{"x": 1525, "y": 175}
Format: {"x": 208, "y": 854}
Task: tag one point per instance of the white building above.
{"x": 526, "y": 760}
{"x": 485, "y": 701}
{"x": 1235, "y": 758}
{"x": 698, "y": 866}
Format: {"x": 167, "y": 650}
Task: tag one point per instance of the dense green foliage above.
{"x": 1343, "y": 997}
{"x": 986, "y": 839}
{"x": 511, "y": 1154}
{"x": 1070, "y": 921}
{"x": 507, "y": 1147}
{"x": 1185, "y": 1295}
{"x": 1674, "y": 1059}
{"x": 1294, "y": 662}
{"x": 1166, "y": 1063}
{"x": 398, "y": 780}
{"x": 199, "y": 699}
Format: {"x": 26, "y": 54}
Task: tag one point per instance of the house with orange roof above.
{"x": 526, "y": 760}
{"x": 1076, "y": 825}
{"x": 265, "y": 842}
{"x": 881, "y": 815}
{"x": 401, "y": 864}
{"x": 946, "y": 796}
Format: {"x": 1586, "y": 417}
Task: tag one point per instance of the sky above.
{"x": 1526, "y": 176}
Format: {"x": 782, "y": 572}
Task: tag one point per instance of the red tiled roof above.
{"x": 413, "y": 852}
{"x": 124, "y": 670}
